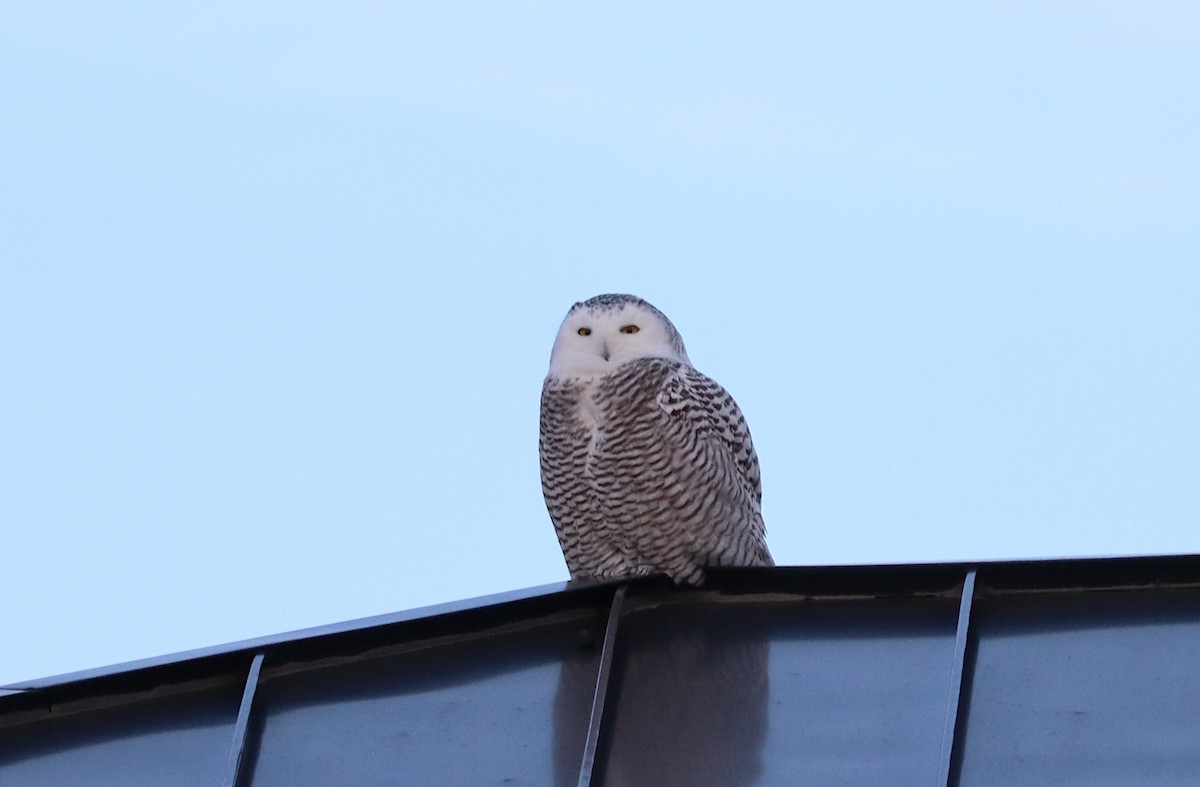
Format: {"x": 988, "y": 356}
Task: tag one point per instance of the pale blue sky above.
{"x": 279, "y": 286}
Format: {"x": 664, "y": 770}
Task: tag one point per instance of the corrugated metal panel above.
{"x": 1058, "y": 672}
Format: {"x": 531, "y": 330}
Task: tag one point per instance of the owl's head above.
{"x": 604, "y": 332}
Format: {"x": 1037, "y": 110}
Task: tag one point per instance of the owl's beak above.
{"x": 604, "y": 351}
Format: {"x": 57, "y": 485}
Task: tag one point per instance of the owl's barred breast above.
{"x": 649, "y": 469}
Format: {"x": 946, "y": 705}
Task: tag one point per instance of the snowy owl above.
{"x": 647, "y": 465}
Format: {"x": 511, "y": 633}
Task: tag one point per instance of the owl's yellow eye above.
{"x": 584, "y": 331}
{"x": 629, "y": 329}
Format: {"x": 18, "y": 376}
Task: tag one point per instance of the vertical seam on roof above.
{"x": 241, "y": 729}
{"x": 951, "y": 733}
{"x": 603, "y": 672}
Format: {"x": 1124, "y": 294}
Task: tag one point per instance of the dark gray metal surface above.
{"x": 1052, "y": 672}
{"x": 505, "y": 706}
{"x": 1093, "y": 689}
{"x": 843, "y": 717}
{"x": 788, "y": 692}
{"x": 181, "y": 740}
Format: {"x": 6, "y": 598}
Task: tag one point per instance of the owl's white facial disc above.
{"x": 607, "y": 331}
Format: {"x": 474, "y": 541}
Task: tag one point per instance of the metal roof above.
{"x": 1045, "y": 672}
